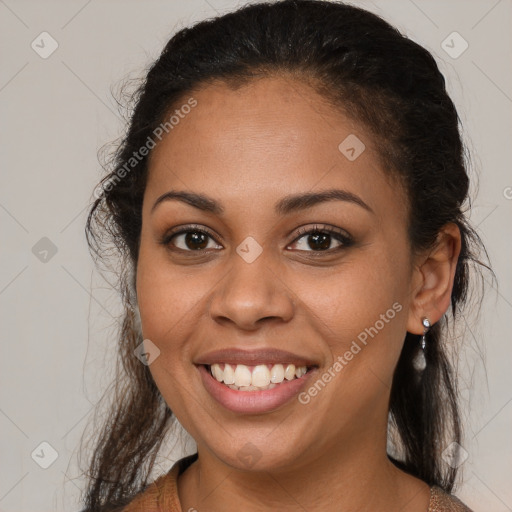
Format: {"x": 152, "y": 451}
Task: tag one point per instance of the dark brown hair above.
{"x": 378, "y": 77}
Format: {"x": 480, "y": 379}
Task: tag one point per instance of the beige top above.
{"x": 162, "y": 494}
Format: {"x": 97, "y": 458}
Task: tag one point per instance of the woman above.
{"x": 287, "y": 203}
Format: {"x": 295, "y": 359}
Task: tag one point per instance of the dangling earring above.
{"x": 419, "y": 362}
{"x": 426, "y": 326}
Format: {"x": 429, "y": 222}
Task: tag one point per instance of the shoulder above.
{"x": 441, "y": 501}
{"x": 143, "y": 498}
{"x": 146, "y": 499}
{"x": 162, "y": 494}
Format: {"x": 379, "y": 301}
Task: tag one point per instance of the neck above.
{"x": 351, "y": 475}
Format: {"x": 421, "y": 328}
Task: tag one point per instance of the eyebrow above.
{"x": 284, "y": 206}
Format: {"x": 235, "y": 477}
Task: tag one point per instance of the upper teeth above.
{"x": 261, "y": 375}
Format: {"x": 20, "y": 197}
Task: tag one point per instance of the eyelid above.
{"x": 322, "y": 228}
{"x": 189, "y": 227}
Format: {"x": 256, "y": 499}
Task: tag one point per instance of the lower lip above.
{"x": 253, "y": 401}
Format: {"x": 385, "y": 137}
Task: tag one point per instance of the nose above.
{"x": 251, "y": 293}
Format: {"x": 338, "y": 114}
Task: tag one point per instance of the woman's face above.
{"x": 257, "y": 292}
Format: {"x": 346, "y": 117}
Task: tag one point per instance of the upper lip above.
{"x": 253, "y": 357}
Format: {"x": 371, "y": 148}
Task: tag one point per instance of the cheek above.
{"x": 360, "y": 308}
{"x": 357, "y": 293}
{"x": 360, "y": 313}
{"x": 169, "y": 302}
{"x": 168, "y": 299}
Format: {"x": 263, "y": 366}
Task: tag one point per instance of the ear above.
{"x": 432, "y": 280}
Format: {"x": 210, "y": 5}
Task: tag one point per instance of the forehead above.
{"x": 265, "y": 139}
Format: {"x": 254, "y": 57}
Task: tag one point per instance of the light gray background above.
{"x": 58, "y": 317}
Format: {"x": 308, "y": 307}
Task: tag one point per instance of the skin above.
{"x": 247, "y": 149}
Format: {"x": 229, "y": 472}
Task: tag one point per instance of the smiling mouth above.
{"x": 241, "y": 377}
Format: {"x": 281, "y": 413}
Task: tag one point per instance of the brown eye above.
{"x": 195, "y": 240}
{"x": 320, "y": 239}
{"x": 188, "y": 240}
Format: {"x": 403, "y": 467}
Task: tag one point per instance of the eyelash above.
{"x": 341, "y": 236}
